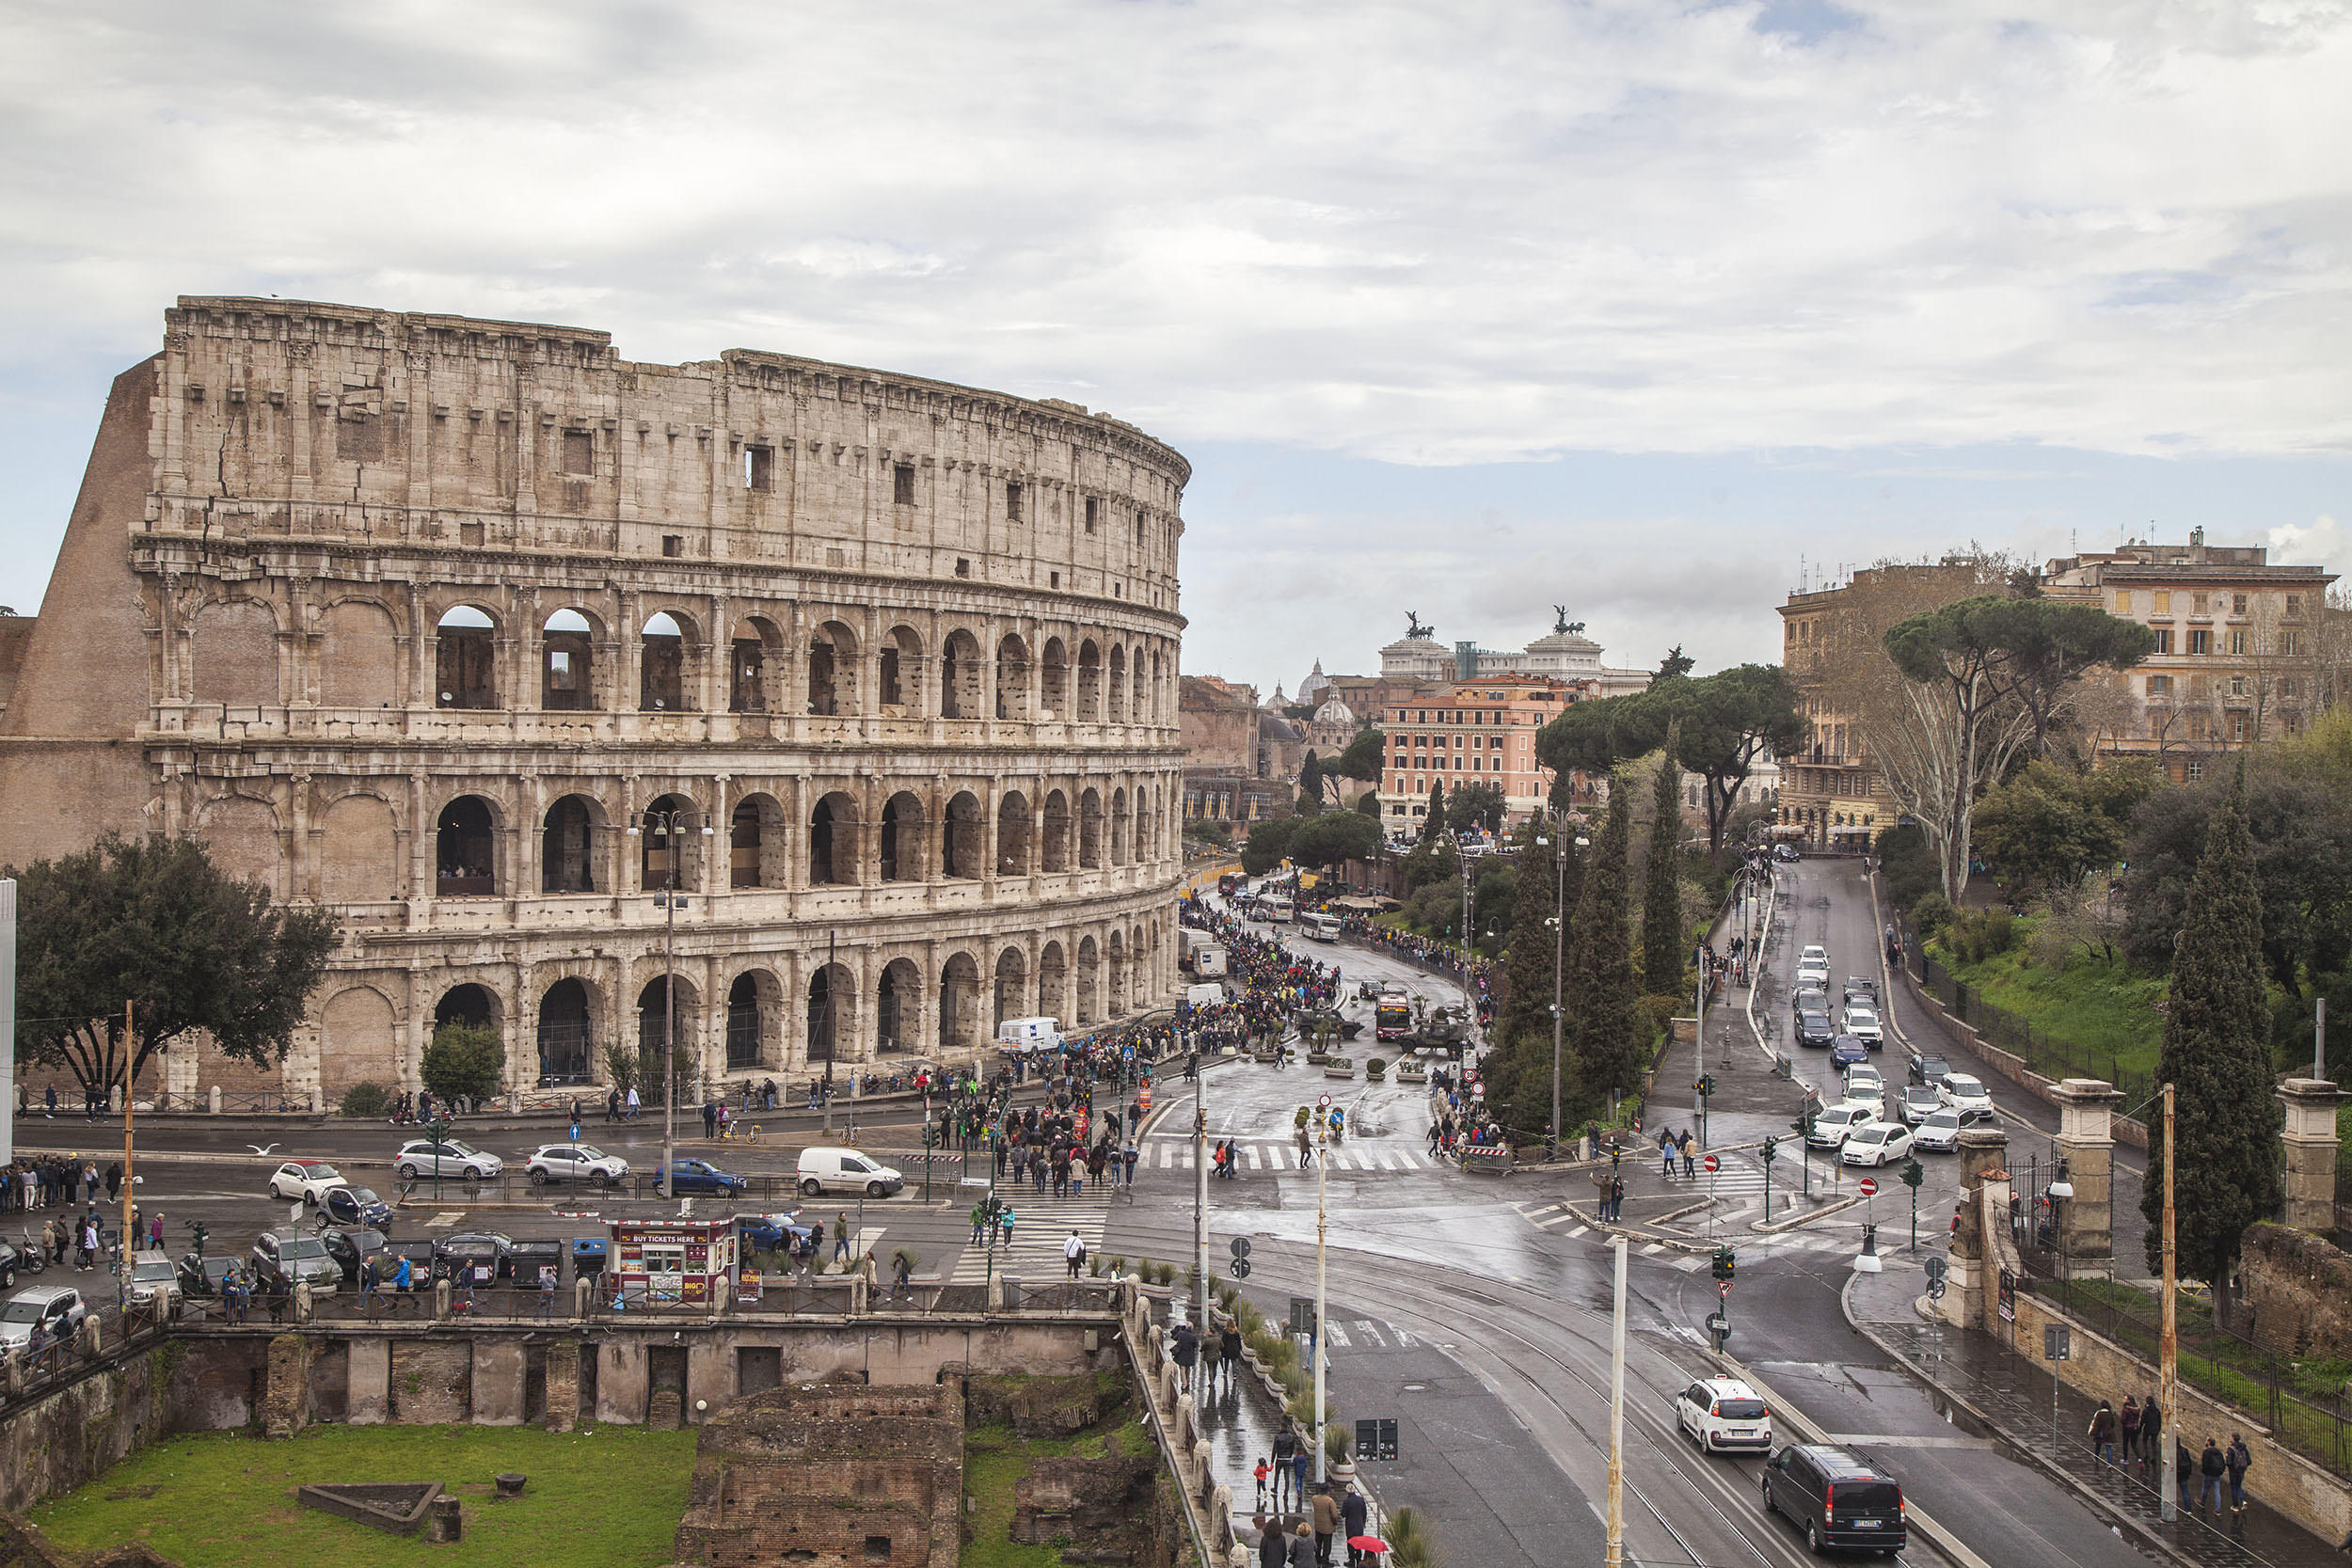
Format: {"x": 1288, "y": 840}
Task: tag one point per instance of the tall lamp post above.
{"x": 668, "y": 826}
{"x": 1559, "y": 957}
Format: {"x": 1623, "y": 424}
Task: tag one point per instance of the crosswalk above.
{"x": 1039, "y": 1231}
{"x": 1575, "y": 1222}
{"x": 1177, "y": 1154}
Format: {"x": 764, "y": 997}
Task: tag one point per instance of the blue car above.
{"x": 771, "y": 1232}
{"x": 1845, "y": 1049}
{"x": 700, "y": 1175}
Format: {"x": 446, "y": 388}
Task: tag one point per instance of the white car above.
{"x": 1813, "y": 953}
{"x": 307, "y": 1180}
{"x": 1863, "y": 1024}
{"x": 575, "y": 1162}
{"x": 1813, "y": 975}
{"x": 1938, "y": 1130}
{"x": 1831, "y": 1125}
{"x": 1863, "y": 1088}
{"x": 423, "y": 1157}
{"x": 1965, "y": 1095}
{"x": 1880, "y": 1143}
{"x": 1723, "y": 1414}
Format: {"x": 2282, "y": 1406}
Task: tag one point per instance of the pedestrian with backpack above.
{"x": 2238, "y": 1459}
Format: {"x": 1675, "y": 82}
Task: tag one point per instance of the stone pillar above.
{"x": 2086, "y": 1141}
{"x": 1982, "y": 1150}
{"x": 498, "y": 1382}
{"x": 370, "y": 1396}
{"x": 286, "y": 1395}
{"x": 2311, "y": 1138}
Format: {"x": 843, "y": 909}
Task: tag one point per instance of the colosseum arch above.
{"x": 1089, "y": 997}
{"x": 358, "y": 1041}
{"x": 1118, "y": 826}
{"x": 1139, "y": 977}
{"x": 960, "y": 838}
{"x": 233, "y": 651}
{"x": 571, "y": 841}
{"x": 757, "y": 847}
{"x": 1053, "y": 982}
{"x": 1146, "y": 851}
{"x": 465, "y": 659}
{"x": 1138, "y": 694}
{"x": 833, "y": 825}
{"x": 663, "y": 651}
{"x": 833, "y": 670}
{"x": 754, "y": 1025}
{"x": 831, "y": 1012}
{"x": 1012, "y": 984}
{"x": 1116, "y": 711}
{"x": 567, "y": 662}
{"x": 1091, "y": 830}
{"x": 359, "y": 656}
{"x": 963, "y": 678}
{"x": 1012, "y": 679}
{"x": 1089, "y": 683}
{"x": 360, "y": 859}
{"x": 902, "y": 838}
{"x": 1053, "y": 692}
{"x": 1055, "y": 849}
{"x": 898, "y": 1008}
{"x": 960, "y": 1002}
{"x": 466, "y": 849}
{"x": 1012, "y": 834}
{"x": 1115, "y": 960}
{"x": 1158, "y": 711}
{"x": 899, "y": 673}
{"x": 671, "y": 825}
{"x": 566, "y": 1031}
{"x": 755, "y": 668}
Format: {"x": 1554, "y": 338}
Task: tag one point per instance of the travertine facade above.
{"x": 425, "y": 618}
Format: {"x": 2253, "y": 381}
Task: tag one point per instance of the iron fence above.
{"x": 2046, "y": 1054}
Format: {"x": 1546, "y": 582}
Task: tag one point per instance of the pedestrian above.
{"x": 2214, "y": 1465}
{"x": 1616, "y": 1199}
{"x": 1302, "y": 1464}
{"x": 547, "y": 1290}
{"x": 49, "y": 1103}
{"x": 371, "y": 1285}
{"x": 2103, "y": 1433}
{"x": 1003, "y": 1223}
{"x": 1285, "y": 1445}
{"x": 2239, "y": 1459}
{"x": 1354, "y": 1516}
{"x": 1074, "y": 1253}
{"x": 1127, "y": 1157}
{"x": 1261, "y": 1475}
{"x": 841, "y": 1240}
{"x": 1229, "y": 1352}
{"x": 1273, "y": 1545}
{"x": 979, "y": 1222}
{"x": 1183, "y": 1349}
{"x": 711, "y": 1119}
{"x": 2152, "y": 1433}
{"x": 403, "y": 1279}
{"x": 1689, "y": 1171}
{"x": 1327, "y": 1512}
{"x": 114, "y": 1182}
{"x": 155, "y": 1232}
{"x": 635, "y": 1106}
{"x": 2127, "y": 1419}
{"x": 1302, "y": 1548}
{"x": 2184, "y": 1475}
{"x": 1665, "y": 1154}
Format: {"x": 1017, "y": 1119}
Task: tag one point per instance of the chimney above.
{"x": 2197, "y": 546}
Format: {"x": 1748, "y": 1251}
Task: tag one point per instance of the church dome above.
{"x": 1311, "y": 688}
{"x": 1334, "y": 711}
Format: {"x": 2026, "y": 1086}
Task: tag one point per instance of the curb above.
{"x": 2031, "y": 1456}
{"x": 1777, "y": 1227}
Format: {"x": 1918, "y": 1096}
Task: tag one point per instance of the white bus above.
{"x": 1275, "y": 908}
{"x": 1322, "y": 928}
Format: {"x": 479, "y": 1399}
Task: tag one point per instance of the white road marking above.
{"x": 1653, "y": 1247}
{"x": 1404, "y": 1340}
{"x": 1580, "y": 1230}
{"x": 1337, "y": 1334}
{"x": 1371, "y": 1332}
{"x": 447, "y": 1218}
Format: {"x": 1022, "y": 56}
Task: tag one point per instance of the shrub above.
{"x": 1376, "y": 1066}
{"x": 1931, "y": 913}
{"x": 366, "y": 1099}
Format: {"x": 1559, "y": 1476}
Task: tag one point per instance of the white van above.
{"x": 1205, "y": 995}
{"x": 1029, "y": 1033}
{"x": 845, "y": 1170}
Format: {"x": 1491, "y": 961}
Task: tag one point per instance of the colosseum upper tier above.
{"x": 488, "y": 639}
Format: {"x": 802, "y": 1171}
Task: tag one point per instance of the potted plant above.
{"x": 1339, "y": 1066}
{"x": 1376, "y": 1069}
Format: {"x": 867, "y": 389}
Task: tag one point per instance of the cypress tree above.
{"x": 2217, "y": 1055}
{"x": 1518, "y": 1071}
{"x": 1433, "y": 826}
{"x": 1662, "y": 935}
{"x": 1603, "y": 1001}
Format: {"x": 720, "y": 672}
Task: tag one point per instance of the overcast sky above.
{"x": 1464, "y": 308}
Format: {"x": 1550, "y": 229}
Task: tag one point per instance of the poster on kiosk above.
{"x": 672, "y": 1262}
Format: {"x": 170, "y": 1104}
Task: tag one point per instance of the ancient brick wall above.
{"x": 432, "y": 1381}
{"x": 2298, "y": 1288}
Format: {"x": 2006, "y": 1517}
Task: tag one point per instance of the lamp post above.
{"x": 667, "y": 826}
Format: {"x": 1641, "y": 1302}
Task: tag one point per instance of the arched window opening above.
{"x": 466, "y": 864}
{"x": 1012, "y": 975}
{"x": 566, "y": 662}
{"x": 960, "y": 1004}
{"x": 1118, "y": 713}
{"x": 747, "y": 669}
{"x": 745, "y": 1024}
{"x": 901, "y": 839}
{"x": 1052, "y": 692}
{"x": 1056, "y": 845}
{"x": 1089, "y": 831}
{"x": 566, "y": 1035}
{"x": 832, "y": 842}
{"x": 960, "y": 838}
{"x": 896, "y": 1007}
{"x": 1012, "y": 836}
{"x": 662, "y": 666}
{"x": 668, "y": 833}
{"x": 464, "y": 659}
{"x": 961, "y": 677}
{"x": 743, "y": 845}
{"x": 1012, "y": 679}
{"x": 567, "y": 862}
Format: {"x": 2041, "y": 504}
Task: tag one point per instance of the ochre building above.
{"x": 486, "y": 638}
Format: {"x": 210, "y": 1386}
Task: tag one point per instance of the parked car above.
{"x": 1938, "y": 1130}
{"x": 1862, "y": 991}
{"x": 55, "y": 1311}
{"x": 297, "y": 1259}
{"x": 846, "y": 1169}
{"x": 1965, "y": 1095}
{"x": 1929, "y": 1069}
{"x": 200, "y": 1277}
{"x": 770, "y": 1232}
{"x": 1724, "y": 1413}
{"x": 1834, "y": 1499}
{"x": 1787, "y": 853}
{"x": 356, "y": 1206}
{"x": 474, "y": 1257}
{"x": 701, "y": 1176}
{"x": 1832, "y": 1124}
{"x": 1917, "y": 1104}
{"x": 1846, "y": 1050}
{"x": 1810, "y": 999}
{"x": 12, "y": 1262}
{"x": 154, "y": 1283}
{"x": 423, "y": 1157}
{"x": 1863, "y": 1023}
{"x": 1880, "y": 1142}
{"x": 1862, "y": 1088}
{"x": 305, "y": 1180}
{"x": 350, "y": 1248}
{"x": 1814, "y": 1029}
{"x": 575, "y": 1162}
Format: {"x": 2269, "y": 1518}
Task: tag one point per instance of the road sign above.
{"x": 1238, "y": 1246}
{"x": 1713, "y": 1164}
{"x": 1934, "y": 1267}
{"x": 2057, "y": 1342}
{"x": 1322, "y": 1102}
{"x": 1718, "y": 1324}
{"x": 1723, "y": 1290}
{"x": 1869, "y": 1187}
{"x": 1302, "y": 1314}
{"x": 1375, "y": 1438}
{"x": 1241, "y": 1268}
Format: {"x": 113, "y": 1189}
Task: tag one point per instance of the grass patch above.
{"x": 2102, "y": 1013}
{"x": 995, "y": 1458}
{"x": 220, "y": 1500}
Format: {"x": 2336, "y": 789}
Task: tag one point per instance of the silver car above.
{"x": 154, "y": 1283}
{"x": 575, "y": 1162}
{"x": 300, "y": 1260}
{"x": 423, "y": 1157}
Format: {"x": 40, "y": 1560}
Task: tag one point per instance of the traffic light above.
{"x": 1723, "y": 1263}
{"x": 1770, "y": 1148}
{"x": 1706, "y": 1085}
{"x": 930, "y": 1135}
{"x": 1913, "y": 1174}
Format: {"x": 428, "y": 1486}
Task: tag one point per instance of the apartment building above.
{"x": 1471, "y": 733}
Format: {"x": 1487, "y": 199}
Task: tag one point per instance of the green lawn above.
{"x": 2098, "y": 1007}
{"x": 600, "y": 1497}
{"x": 994, "y": 1460}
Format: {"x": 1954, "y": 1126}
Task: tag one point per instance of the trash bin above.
{"x": 525, "y": 1258}
{"x": 588, "y": 1257}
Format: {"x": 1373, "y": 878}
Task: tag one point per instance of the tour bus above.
{"x": 1322, "y": 928}
{"x": 1275, "y": 908}
{"x": 1391, "y": 1016}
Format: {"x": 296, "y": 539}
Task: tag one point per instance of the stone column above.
{"x": 2311, "y": 1138}
{"x": 1982, "y": 1150}
{"x": 563, "y": 1375}
{"x": 2086, "y": 1141}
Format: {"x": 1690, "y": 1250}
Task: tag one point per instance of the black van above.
{"x": 1834, "y": 1499}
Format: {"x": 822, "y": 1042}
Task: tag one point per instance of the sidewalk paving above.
{"x": 2010, "y": 1393}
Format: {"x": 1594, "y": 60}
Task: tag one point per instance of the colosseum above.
{"x": 842, "y": 701}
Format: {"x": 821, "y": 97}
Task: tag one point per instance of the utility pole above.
{"x": 668, "y": 826}
{"x": 130, "y": 1242}
{"x": 832, "y": 945}
{"x": 2319, "y": 1041}
{"x": 1323, "y": 1130}
{"x": 2168, "y": 1343}
{"x": 1201, "y": 1207}
{"x": 1615, "y": 1558}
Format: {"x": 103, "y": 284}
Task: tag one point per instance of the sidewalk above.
{"x": 2009, "y": 1394}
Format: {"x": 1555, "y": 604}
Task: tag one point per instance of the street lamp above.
{"x": 667, "y": 826}
{"x": 1559, "y": 963}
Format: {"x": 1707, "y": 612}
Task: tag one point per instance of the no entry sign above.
{"x": 1869, "y": 1187}
{"x": 1713, "y": 1164}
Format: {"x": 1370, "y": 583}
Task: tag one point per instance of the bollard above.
{"x": 440, "y": 1301}
{"x": 444, "y": 1522}
{"x": 303, "y": 1303}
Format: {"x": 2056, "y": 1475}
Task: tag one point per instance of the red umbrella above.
{"x": 1368, "y": 1542}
